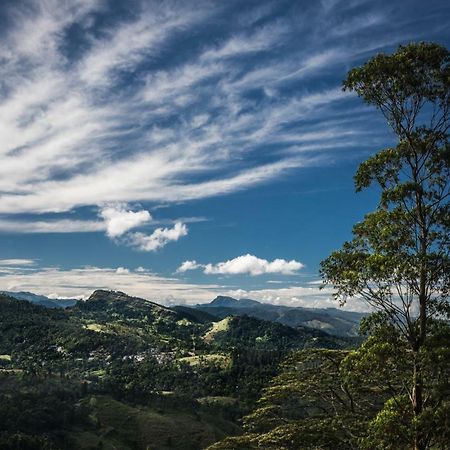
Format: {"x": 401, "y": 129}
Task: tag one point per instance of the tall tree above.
{"x": 398, "y": 260}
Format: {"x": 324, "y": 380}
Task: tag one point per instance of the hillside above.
{"x": 332, "y": 320}
{"x": 112, "y": 364}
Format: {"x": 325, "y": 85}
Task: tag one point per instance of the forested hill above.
{"x": 113, "y": 369}
{"x": 331, "y": 320}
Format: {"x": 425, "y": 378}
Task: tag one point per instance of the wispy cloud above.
{"x": 17, "y": 262}
{"x": 52, "y": 226}
{"x": 106, "y": 114}
{"x": 134, "y": 109}
{"x": 83, "y": 226}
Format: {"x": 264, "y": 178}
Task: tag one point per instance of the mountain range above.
{"x": 332, "y": 320}
{"x": 41, "y": 300}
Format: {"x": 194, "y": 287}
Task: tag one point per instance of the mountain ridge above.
{"x": 41, "y": 300}
{"x": 331, "y": 320}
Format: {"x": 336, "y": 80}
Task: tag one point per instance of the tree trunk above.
{"x": 417, "y": 403}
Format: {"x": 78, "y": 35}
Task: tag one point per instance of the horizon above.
{"x": 178, "y": 151}
{"x": 172, "y": 305}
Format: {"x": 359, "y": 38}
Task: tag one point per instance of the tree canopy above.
{"x": 399, "y": 258}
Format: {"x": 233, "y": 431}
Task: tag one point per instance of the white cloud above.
{"x": 119, "y": 220}
{"x": 158, "y": 239}
{"x": 131, "y": 42}
{"x": 304, "y": 296}
{"x": 81, "y": 282}
{"x": 16, "y": 262}
{"x": 189, "y": 265}
{"x": 250, "y": 264}
{"x": 77, "y": 226}
{"x": 52, "y": 226}
{"x": 122, "y": 271}
{"x": 245, "y": 264}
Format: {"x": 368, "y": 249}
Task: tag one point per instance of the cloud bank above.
{"x": 81, "y": 282}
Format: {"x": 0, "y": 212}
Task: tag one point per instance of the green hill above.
{"x": 332, "y": 320}
{"x": 116, "y": 371}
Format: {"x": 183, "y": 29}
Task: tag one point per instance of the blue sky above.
{"x": 180, "y": 150}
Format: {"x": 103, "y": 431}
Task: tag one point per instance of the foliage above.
{"x": 399, "y": 258}
{"x": 134, "y": 355}
{"x": 309, "y": 405}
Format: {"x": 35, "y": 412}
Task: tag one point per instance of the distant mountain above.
{"x": 331, "y": 320}
{"x": 230, "y": 302}
{"x": 41, "y": 300}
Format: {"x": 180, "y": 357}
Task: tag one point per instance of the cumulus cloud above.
{"x": 119, "y": 220}
{"x": 245, "y": 264}
{"x": 122, "y": 271}
{"x": 189, "y": 265}
{"x": 159, "y": 238}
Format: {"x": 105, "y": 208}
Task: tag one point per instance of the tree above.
{"x": 398, "y": 260}
{"x": 311, "y": 404}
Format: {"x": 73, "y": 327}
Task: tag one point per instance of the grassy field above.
{"x": 217, "y": 327}
{"x": 220, "y": 360}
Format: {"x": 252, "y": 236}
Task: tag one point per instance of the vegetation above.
{"x": 331, "y": 320}
{"x": 393, "y": 391}
{"x": 398, "y": 261}
{"x": 121, "y": 372}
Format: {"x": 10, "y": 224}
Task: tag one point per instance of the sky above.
{"x": 179, "y": 150}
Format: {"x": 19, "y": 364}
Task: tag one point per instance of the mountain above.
{"x": 331, "y": 320}
{"x": 103, "y": 303}
{"x": 230, "y": 302}
{"x": 41, "y": 300}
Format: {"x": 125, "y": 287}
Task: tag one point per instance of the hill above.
{"x": 332, "y": 320}
{"x": 178, "y": 372}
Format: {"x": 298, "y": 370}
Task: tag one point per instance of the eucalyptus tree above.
{"x": 399, "y": 258}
